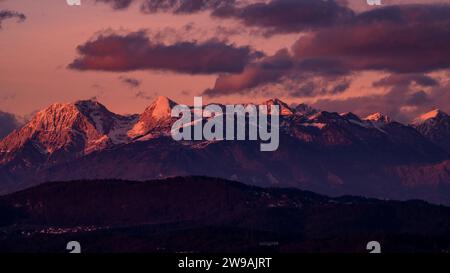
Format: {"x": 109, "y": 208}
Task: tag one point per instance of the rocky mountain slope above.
{"x": 435, "y": 125}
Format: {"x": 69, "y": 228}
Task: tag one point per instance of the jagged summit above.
{"x": 65, "y": 113}
{"x": 435, "y": 125}
{"x": 285, "y": 110}
{"x": 436, "y": 113}
{"x": 161, "y": 107}
{"x": 69, "y": 130}
{"x": 57, "y": 117}
{"x": 378, "y": 117}
{"x": 156, "y": 115}
{"x": 59, "y": 127}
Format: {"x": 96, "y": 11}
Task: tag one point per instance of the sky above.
{"x": 337, "y": 55}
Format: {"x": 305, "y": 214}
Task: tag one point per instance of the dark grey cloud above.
{"x": 287, "y": 16}
{"x": 144, "y": 95}
{"x": 418, "y": 98}
{"x": 130, "y": 81}
{"x": 8, "y": 123}
{"x": 300, "y": 78}
{"x": 404, "y": 80}
{"x": 117, "y": 4}
{"x": 173, "y": 6}
{"x": 184, "y": 6}
{"x": 304, "y": 86}
{"x": 9, "y": 14}
{"x": 268, "y": 70}
{"x": 402, "y": 39}
{"x": 135, "y": 51}
{"x": 196, "y": 33}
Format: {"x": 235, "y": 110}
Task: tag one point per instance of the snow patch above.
{"x": 317, "y": 125}
{"x": 429, "y": 115}
{"x": 378, "y": 117}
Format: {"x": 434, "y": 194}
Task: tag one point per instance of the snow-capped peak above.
{"x": 285, "y": 110}
{"x": 97, "y": 114}
{"x": 156, "y": 115}
{"x": 57, "y": 127}
{"x": 72, "y": 128}
{"x": 161, "y": 107}
{"x": 57, "y": 115}
{"x": 378, "y": 117}
{"x": 436, "y": 113}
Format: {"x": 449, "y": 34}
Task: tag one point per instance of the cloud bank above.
{"x": 135, "y": 51}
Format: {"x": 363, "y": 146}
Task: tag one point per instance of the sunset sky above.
{"x": 337, "y": 55}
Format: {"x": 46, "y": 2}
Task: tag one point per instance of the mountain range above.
{"x": 325, "y": 152}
